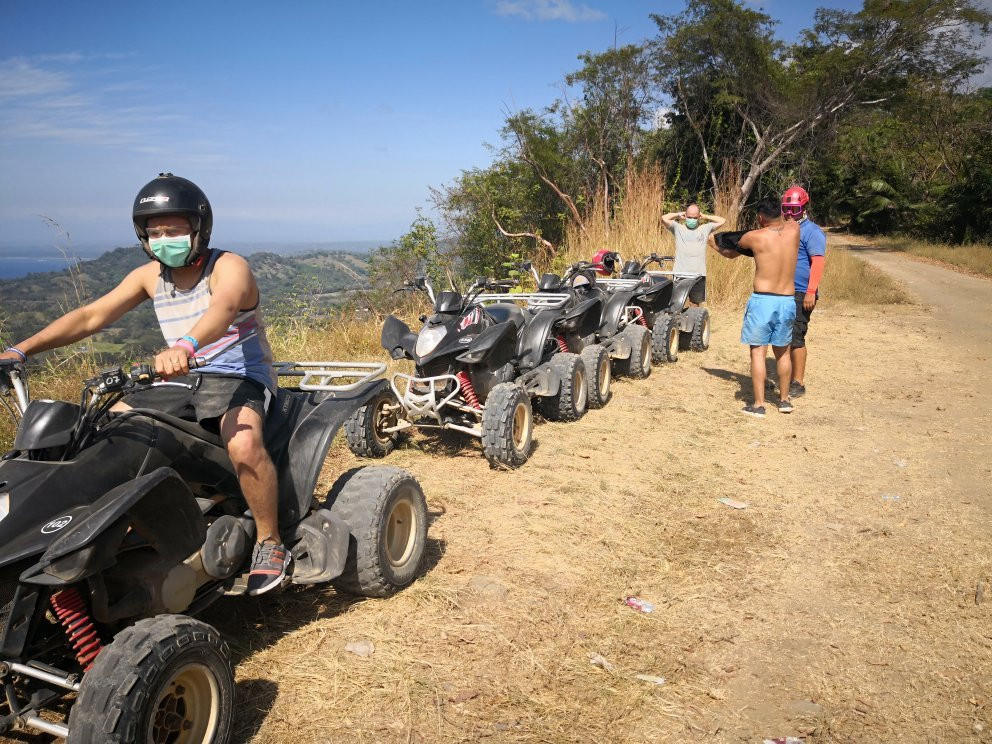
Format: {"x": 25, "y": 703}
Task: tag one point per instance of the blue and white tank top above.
{"x": 178, "y": 310}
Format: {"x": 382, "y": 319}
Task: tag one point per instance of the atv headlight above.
{"x": 428, "y": 339}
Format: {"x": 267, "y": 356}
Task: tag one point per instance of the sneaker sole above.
{"x": 752, "y": 414}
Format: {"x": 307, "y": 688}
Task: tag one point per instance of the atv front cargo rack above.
{"x": 320, "y": 376}
{"x": 615, "y": 284}
{"x": 535, "y": 300}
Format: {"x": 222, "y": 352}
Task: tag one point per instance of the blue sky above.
{"x": 302, "y": 120}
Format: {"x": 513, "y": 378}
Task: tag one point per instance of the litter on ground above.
{"x": 733, "y": 503}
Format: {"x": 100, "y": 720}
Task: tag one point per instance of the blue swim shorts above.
{"x": 768, "y": 319}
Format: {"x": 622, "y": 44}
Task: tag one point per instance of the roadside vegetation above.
{"x": 975, "y": 258}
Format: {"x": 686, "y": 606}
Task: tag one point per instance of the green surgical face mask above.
{"x": 172, "y": 252}
{"x": 691, "y": 222}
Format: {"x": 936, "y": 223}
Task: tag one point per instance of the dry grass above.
{"x": 847, "y": 278}
{"x": 974, "y": 258}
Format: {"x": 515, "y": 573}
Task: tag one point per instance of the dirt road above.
{"x": 850, "y": 601}
{"x": 840, "y": 605}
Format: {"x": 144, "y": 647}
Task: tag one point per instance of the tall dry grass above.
{"x": 974, "y": 257}
{"x": 635, "y": 229}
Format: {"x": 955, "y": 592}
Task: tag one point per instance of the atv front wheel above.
{"x": 164, "y": 679}
{"x": 364, "y": 428}
{"x": 665, "y": 338}
{"x": 386, "y": 513}
{"x": 507, "y": 426}
{"x": 600, "y": 371}
{"x": 572, "y": 398}
{"x": 638, "y": 365}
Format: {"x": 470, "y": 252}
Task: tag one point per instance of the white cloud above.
{"x": 20, "y": 78}
{"x": 549, "y": 10}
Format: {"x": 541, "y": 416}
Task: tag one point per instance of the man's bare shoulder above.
{"x": 147, "y": 275}
{"x": 232, "y": 262}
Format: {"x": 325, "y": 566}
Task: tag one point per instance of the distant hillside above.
{"x": 290, "y": 285}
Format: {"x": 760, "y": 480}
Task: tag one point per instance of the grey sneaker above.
{"x": 785, "y": 406}
{"x": 757, "y": 411}
{"x": 796, "y": 390}
{"x": 268, "y": 567}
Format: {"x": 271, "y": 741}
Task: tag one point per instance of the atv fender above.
{"x": 308, "y": 445}
{"x": 496, "y": 345}
{"x": 530, "y": 345}
{"x": 158, "y": 507}
{"x": 397, "y": 338}
{"x": 656, "y": 296}
{"x": 542, "y": 381}
{"x": 680, "y": 296}
{"x": 582, "y": 319}
{"x": 614, "y": 312}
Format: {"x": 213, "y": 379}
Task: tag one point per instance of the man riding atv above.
{"x": 207, "y": 303}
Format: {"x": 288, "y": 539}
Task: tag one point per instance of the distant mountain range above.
{"x": 304, "y": 282}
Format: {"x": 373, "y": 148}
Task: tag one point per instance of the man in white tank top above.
{"x": 213, "y": 296}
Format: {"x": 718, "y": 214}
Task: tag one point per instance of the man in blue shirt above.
{"x": 809, "y": 272}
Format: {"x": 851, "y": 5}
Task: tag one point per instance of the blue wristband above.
{"x": 21, "y": 354}
{"x": 196, "y": 344}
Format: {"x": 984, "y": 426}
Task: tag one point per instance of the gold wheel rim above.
{"x": 706, "y": 333}
{"x": 188, "y": 708}
{"x": 401, "y": 531}
{"x": 579, "y": 386}
{"x": 646, "y": 353}
{"x": 673, "y": 341}
{"x": 380, "y": 419}
{"x": 604, "y": 376}
{"x": 521, "y": 425}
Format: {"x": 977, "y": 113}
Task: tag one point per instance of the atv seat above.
{"x": 501, "y": 312}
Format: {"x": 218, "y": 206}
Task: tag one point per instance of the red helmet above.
{"x": 604, "y": 262}
{"x": 794, "y": 201}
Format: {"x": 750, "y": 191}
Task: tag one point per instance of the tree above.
{"x": 751, "y": 99}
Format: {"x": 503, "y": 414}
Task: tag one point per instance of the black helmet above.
{"x": 169, "y": 194}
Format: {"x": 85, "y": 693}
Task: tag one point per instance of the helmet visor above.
{"x": 793, "y": 210}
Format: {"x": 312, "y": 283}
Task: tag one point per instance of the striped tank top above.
{"x": 178, "y": 310}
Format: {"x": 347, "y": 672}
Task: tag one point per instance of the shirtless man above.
{"x": 771, "y": 311}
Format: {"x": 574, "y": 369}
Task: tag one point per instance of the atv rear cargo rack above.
{"x": 319, "y": 376}
{"x": 535, "y": 300}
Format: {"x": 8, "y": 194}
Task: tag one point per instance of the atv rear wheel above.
{"x": 665, "y": 339}
{"x": 507, "y": 426}
{"x": 364, "y": 428}
{"x": 572, "y": 399}
{"x": 386, "y": 513}
{"x": 697, "y": 338}
{"x": 600, "y": 371}
{"x": 638, "y": 365}
{"x": 167, "y": 679}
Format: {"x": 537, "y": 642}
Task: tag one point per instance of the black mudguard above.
{"x": 398, "y": 339}
{"x": 302, "y": 459}
{"x": 530, "y": 346}
{"x": 495, "y": 346}
{"x": 680, "y": 295}
{"x": 656, "y": 296}
{"x": 582, "y": 319}
{"x": 158, "y": 507}
{"x": 613, "y": 313}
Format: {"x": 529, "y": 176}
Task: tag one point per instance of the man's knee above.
{"x": 241, "y": 430}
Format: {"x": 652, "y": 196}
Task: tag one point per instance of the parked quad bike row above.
{"x": 117, "y": 528}
{"x": 486, "y": 360}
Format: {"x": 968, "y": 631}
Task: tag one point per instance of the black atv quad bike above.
{"x": 117, "y": 528}
{"x": 479, "y": 359}
{"x": 675, "y": 324}
{"x": 619, "y": 336}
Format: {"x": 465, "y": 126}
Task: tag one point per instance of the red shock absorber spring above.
{"x": 562, "y": 345}
{"x": 468, "y": 389}
{"x": 641, "y": 319}
{"x": 71, "y": 612}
